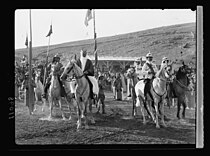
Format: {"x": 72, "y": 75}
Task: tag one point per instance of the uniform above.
{"x": 148, "y": 73}
{"x": 48, "y": 75}
{"x": 149, "y": 70}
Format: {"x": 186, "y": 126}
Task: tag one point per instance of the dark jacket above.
{"x": 88, "y": 67}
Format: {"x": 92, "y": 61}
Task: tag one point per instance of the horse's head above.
{"x": 54, "y": 69}
{"x": 69, "y": 69}
{"x": 165, "y": 71}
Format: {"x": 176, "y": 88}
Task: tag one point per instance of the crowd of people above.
{"x": 118, "y": 82}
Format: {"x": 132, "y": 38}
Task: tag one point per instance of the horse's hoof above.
{"x": 144, "y": 122}
{"x": 92, "y": 121}
{"x": 157, "y": 126}
{"x": 86, "y": 127}
{"x": 164, "y": 125}
{"x": 69, "y": 117}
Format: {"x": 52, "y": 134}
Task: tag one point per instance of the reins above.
{"x": 182, "y": 85}
{"x": 165, "y": 80}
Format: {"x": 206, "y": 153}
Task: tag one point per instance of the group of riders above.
{"x": 148, "y": 69}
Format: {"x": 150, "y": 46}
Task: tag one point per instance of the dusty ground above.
{"x": 115, "y": 127}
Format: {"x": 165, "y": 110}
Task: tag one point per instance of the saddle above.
{"x": 94, "y": 83}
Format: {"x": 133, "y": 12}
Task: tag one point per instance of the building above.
{"x": 114, "y": 64}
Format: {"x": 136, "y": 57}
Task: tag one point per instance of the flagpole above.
{"x": 45, "y": 72}
{"x": 95, "y": 43}
{"x": 30, "y": 72}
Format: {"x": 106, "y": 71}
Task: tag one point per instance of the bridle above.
{"x": 77, "y": 77}
{"x": 165, "y": 80}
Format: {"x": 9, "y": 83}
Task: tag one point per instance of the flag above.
{"x": 26, "y": 42}
{"x": 50, "y": 32}
{"x": 88, "y": 17}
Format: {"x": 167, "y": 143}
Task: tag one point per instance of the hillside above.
{"x": 163, "y": 41}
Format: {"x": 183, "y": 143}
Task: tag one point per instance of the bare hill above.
{"x": 163, "y": 41}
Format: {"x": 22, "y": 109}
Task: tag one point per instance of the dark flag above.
{"x": 50, "y": 32}
{"x": 26, "y": 42}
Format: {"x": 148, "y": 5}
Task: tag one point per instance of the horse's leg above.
{"x": 150, "y": 110}
{"x": 142, "y": 108}
{"x": 157, "y": 112}
{"x": 90, "y": 105}
{"x": 161, "y": 110}
{"x": 133, "y": 109}
{"x": 184, "y": 108}
{"x": 68, "y": 104}
{"x": 178, "y": 107}
{"x": 103, "y": 107}
{"x": 51, "y": 107}
{"x": 60, "y": 106}
{"x": 79, "y": 118}
{"x": 98, "y": 105}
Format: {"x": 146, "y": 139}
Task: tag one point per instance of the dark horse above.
{"x": 180, "y": 87}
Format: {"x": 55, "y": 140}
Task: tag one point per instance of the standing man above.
{"x": 25, "y": 85}
{"x": 149, "y": 69}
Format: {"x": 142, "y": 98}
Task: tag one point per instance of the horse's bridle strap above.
{"x": 157, "y": 93}
{"x": 79, "y": 77}
{"x": 181, "y": 85}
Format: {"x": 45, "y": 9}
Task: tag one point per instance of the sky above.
{"x": 68, "y": 24}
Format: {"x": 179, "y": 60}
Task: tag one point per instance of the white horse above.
{"x": 82, "y": 92}
{"x": 55, "y": 93}
{"x": 158, "y": 91}
{"x": 39, "y": 90}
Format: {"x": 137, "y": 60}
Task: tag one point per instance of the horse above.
{"x": 158, "y": 92}
{"x": 55, "y": 92}
{"x": 70, "y": 88}
{"x": 39, "y": 90}
{"x": 180, "y": 84}
{"x": 82, "y": 94}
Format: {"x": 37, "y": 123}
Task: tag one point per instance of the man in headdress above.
{"x": 149, "y": 70}
{"x": 55, "y": 61}
{"x": 87, "y": 67}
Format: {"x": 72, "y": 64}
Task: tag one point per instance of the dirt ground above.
{"x": 115, "y": 127}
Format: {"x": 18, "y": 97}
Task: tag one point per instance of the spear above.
{"x": 45, "y": 71}
{"x": 30, "y": 73}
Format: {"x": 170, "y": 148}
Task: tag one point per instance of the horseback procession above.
{"x": 76, "y": 85}
{"x": 141, "y": 93}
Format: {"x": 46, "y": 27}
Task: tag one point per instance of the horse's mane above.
{"x": 180, "y": 74}
{"x": 159, "y": 72}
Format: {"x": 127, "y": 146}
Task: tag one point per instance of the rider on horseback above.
{"x": 149, "y": 69}
{"x": 87, "y": 67}
{"x": 55, "y": 61}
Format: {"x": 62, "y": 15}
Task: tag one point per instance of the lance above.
{"x": 48, "y": 48}
{"x": 95, "y": 43}
{"x": 30, "y": 71}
